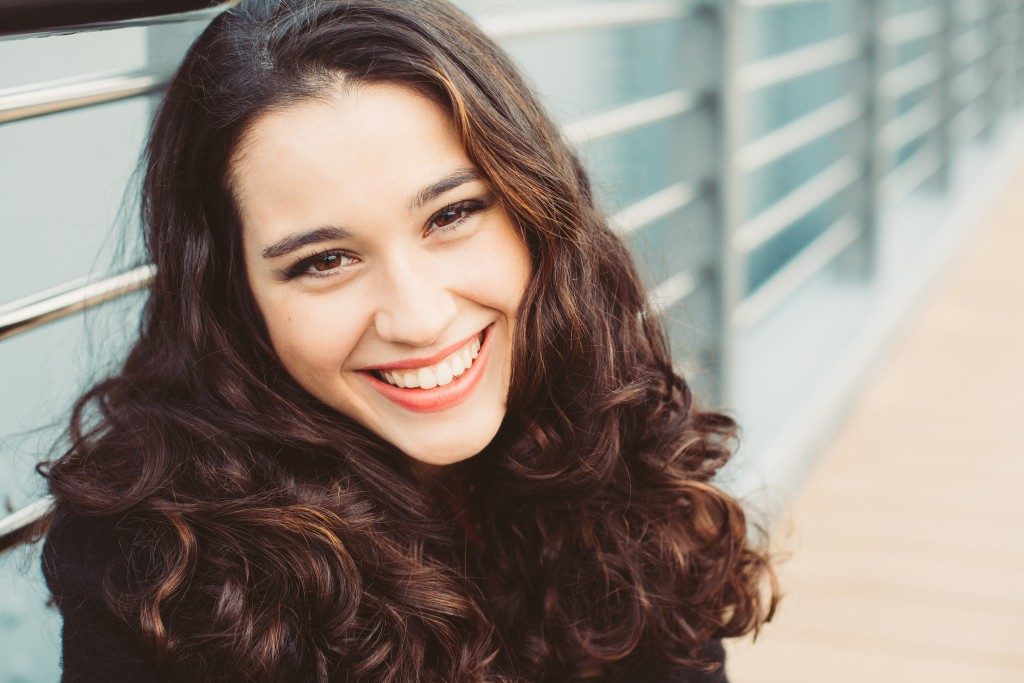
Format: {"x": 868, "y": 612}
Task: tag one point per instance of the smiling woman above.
{"x": 427, "y": 262}
{"x": 398, "y": 410}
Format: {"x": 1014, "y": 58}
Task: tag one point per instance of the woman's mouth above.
{"x": 438, "y": 375}
{"x": 440, "y": 385}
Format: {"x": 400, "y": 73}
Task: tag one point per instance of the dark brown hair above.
{"x": 272, "y": 534}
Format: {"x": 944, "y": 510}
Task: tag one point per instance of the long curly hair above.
{"x": 272, "y": 534}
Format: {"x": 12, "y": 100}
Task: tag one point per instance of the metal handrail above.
{"x": 974, "y": 14}
{"x": 605, "y": 15}
{"x": 913, "y": 25}
{"x": 25, "y": 516}
{"x": 28, "y": 313}
{"x": 820, "y": 188}
{"x": 672, "y": 290}
{"x": 33, "y": 19}
{"x": 912, "y": 173}
{"x": 632, "y": 115}
{"x": 967, "y": 87}
{"x": 968, "y": 124}
{"x": 791, "y": 277}
{"x": 798, "y": 133}
{"x": 656, "y": 206}
{"x": 761, "y": 4}
{"x": 911, "y": 125}
{"x": 18, "y": 104}
{"x": 912, "y": 76}
{"x": 969, "y": 48}
{"x": 796, "y": 63}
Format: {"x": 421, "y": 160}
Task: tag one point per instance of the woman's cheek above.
{"x": 314, "y": 333}
{"x": 497, "y": 267}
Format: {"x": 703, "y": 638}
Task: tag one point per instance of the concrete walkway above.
{"x": 908, "y": 539}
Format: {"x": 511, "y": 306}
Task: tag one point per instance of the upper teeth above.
{"x": 439, "y": 374}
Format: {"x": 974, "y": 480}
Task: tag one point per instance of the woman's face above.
{"x": 388, "y": 273}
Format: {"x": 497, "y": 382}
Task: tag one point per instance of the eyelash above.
{"x": 300, "y": 267}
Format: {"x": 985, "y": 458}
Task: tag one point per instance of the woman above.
{"x": 397, "y": 411}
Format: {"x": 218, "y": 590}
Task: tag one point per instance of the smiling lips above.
{"x": 437, "y": 386}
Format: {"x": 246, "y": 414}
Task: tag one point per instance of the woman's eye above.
{"x": 320, "y": 265}
{"x": 327, "y": 262}
{"x": 450, "y": 216}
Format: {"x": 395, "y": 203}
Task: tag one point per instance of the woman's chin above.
{"x": 448, "y": 449}
{"x": 443, "y": 456}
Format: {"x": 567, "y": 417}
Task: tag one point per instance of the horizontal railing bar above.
{"x": 655, "y": 207}
{"x": 967, "y": 87}
{"x": 761, "y": 4}
{"x": 604, "y": 15}
{"x": 970, "y": 11}
{"x": 31, "y": 312}
{"x": 796, "y": 273}
{"x": 778, "y": 69}
{"x": 633, "y": 115}
{"x": 799, "y": 133}
{"x": 797, "y": 204}
{"x": 33, "y": 19}
{"x": 969, "y": 48}
{"x": 911, "y": 174}
{"x": 968, "y": 123}
{"x": 25, "y": 516}
{"x": 911, "y": 125}
{"x": 672, "y": 290}
{"x": 49, "y": 97}
{"x": 912, "y": 25}
{"x": 912, "y": 76}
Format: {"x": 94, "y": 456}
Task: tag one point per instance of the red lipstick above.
{"x": 414, "y": 363}
{"x": 439, "y": 398}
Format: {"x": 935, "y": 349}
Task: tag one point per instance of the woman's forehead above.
{"x": 377, "y": 145}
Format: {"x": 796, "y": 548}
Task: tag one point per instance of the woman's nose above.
{"x": 415, "y": 304}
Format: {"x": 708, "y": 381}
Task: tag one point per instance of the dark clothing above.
{"x": 97, "y": 646}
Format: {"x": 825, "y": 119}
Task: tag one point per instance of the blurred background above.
{"x": 827, "y": 201}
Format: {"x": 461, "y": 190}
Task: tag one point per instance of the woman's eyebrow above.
{"x": 326, "y": 233}
{"x": 298, "y": 240}
{"x": 457, "y": 177}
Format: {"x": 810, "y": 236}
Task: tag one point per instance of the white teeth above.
{"x": 444, "y": 374}
{"x": 439, "y": 374}
{"x": 427, "y": 378}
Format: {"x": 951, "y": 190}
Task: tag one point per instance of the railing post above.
{"x": 731, "y": 196}
{"x": 1018, "y": 54}
{"x": 990, "y": 100}
{"x": 944, "y": 91}
{"x": 862, "y": 260}
{"x": 1004, "y": 56}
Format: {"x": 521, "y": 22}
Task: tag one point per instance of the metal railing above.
{"x": 25, "y": 102}
{"x": 969, "y": 72}
{"x": 34, "y": 19}
{"x": 24, "y": 19}
{"x": 906, "y": 146}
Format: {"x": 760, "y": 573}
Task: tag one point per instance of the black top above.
{"x": 97, "y": 646}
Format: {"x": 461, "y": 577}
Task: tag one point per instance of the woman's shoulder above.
{"x": 81, "y": 554}
{"x": 79, "y": 550}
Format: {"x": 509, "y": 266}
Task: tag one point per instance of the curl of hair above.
{"x": 272, "y": 534}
